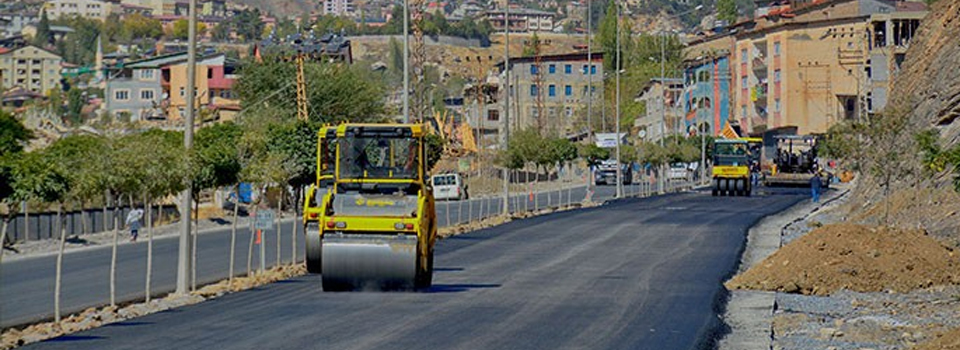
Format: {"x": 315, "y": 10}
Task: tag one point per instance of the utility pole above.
{"x": 406, "y": 62}
{"x": 589, "y": 72}
{"x": 619, "y": 165}
{"x": 505, "y": 139}
{"x": 184, "y": 263}
{"x": 663, "y": 106}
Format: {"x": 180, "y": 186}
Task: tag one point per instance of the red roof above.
{"x": 4, "y": 50}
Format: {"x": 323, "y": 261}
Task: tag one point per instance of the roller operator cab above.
{"x": 731, "y": 168}
{"x": 377, "y": 225}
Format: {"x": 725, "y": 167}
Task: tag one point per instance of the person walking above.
{"x": 133, "y": 223}
{"x": 815, "y": 184}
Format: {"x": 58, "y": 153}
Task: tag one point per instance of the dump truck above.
{"x": 731, "y": 168}
{"x": 375, "y": 228}
{"x": 794, "y": 161}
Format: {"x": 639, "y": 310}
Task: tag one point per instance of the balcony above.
{"x": 758, "y": 94}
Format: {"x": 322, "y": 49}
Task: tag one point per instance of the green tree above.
{"x": 79, "y": 46}
{"x": 37, "y": 176}
{"x": 727, "y": 10}
{"x": 44, "y": 36}
{"x": 335, "y": 92}
{"x": 136, "y": 27}
{"x": 221, "y": 32}
{"x": 181, "y": 29}
{"x": 248, "y": 24}
{"x": 13, "y": 135}
{"x": 594, "y": 154}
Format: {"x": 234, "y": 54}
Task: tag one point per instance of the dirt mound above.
{"x": 946, "y": 341}
{"x": 854, "y": 257}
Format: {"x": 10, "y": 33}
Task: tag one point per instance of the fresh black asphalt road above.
{"x": 633, "y": 274}
{"x": 27, "y": 285}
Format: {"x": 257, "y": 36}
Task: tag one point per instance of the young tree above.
{"x": 38, "y": 176}
{"x": 217, "y": 164}
{"x": 13, "y": 135}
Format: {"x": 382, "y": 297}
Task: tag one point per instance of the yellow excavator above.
{"x": 375, "y": 227}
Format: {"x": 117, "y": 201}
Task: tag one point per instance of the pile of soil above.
{"x": 854, "y": 257}
{"x": 946, "y": 341}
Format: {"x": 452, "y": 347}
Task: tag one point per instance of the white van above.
{"x": 449, "y": 187}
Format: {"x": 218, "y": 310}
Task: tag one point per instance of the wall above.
{"x": 44, "y": 225}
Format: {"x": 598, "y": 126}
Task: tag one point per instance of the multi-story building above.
{"x": 706, "y": 97}
{"x": 92, "y": 9}
{"x": 551, "y": 90}
{"x": 809, "y": 64}
{"x": 214, "y": 82}
{"x": 338, "y": 7}
{"x": 658, "y": 121}
{"x": 31, "y": 68}
{"x": 13, "y": 24}
{"x": 135, "y": 89}
{"x": 521, "y": 20}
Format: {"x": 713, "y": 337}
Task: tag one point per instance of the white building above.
{"x": 338, "y": 7}
{"x": 92, "y": 9}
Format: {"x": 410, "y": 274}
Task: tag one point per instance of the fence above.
{"x": 44, "y": 225}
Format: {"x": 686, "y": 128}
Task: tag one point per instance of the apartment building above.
{"x": 92, "y": 9}
{"x": 339, "y": 7}
{"x": 521, "y": 20}
{"x": 134, "y": 90}
{"x": 31, "y": 68}
{"x": 806, "y": 64}
{"x": 549, "y": 91}
{"x": 214, "y": 84}
{"x": 657, "y": 121}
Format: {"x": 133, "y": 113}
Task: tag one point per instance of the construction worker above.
{"x": 815, "y": 185}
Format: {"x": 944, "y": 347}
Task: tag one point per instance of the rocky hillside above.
{"x": 926, "y": 96}
{"x": 929, "y": 82}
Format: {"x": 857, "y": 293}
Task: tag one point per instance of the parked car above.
{"x": 449, "y": 187}
{"x": 679, "y": 172}
{"x": 606, "y": 173}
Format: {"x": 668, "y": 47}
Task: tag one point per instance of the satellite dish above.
{"x": 642, "y": 134}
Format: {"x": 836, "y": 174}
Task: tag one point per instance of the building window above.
{"x": 146, "y": 74}
{"x": 209, "y": 71}
{"x": 776, "y": 105}
{"x": 493, "y": 115}
{"x": 183, "y": 91}
{"x": 776, "y": 76}
{"x": 743, "y": 82}
{"x": 743, "y": 111}
{"x": 776, "y": 48}
{"x": 743, "y": 56}
{"x": 146, "y": 95}
{"x": 585, "y": 69}
{"x": 568, "y": 69}
{"x": 593, "y": 69}
{"x": 552, "y": 90}
{"x": 533, "y": 69}
{"x": 533, "y": 91}
{"x": 568, "y": 111}
{"x": 568, "y": 90}
{"x": 121, "y": 95}
{"x": 552, "y": 69}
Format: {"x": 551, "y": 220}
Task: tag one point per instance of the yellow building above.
{"x": 813, "y": 64}
{"x": 92, "y": 9}
{"x": 214, "y": 85}
{"x": 31, "y": 68}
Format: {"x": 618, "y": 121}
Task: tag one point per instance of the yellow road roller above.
{"x": 318, "y": 194}
{"x": 731, "y": 167}
{"x": 375, "y": 228}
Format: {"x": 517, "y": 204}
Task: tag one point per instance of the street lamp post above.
{"x": 619, "y": 165}
{"x": 185, "y": 252}
{"x": 506, "y": 104}
{"x": 406, "y": 62}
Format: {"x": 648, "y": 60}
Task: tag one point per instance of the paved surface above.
{"x": 634, "y": 274}
{"x": 26, "y": 285}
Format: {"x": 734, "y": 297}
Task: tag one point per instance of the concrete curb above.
{"x": 749, "y": 314}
